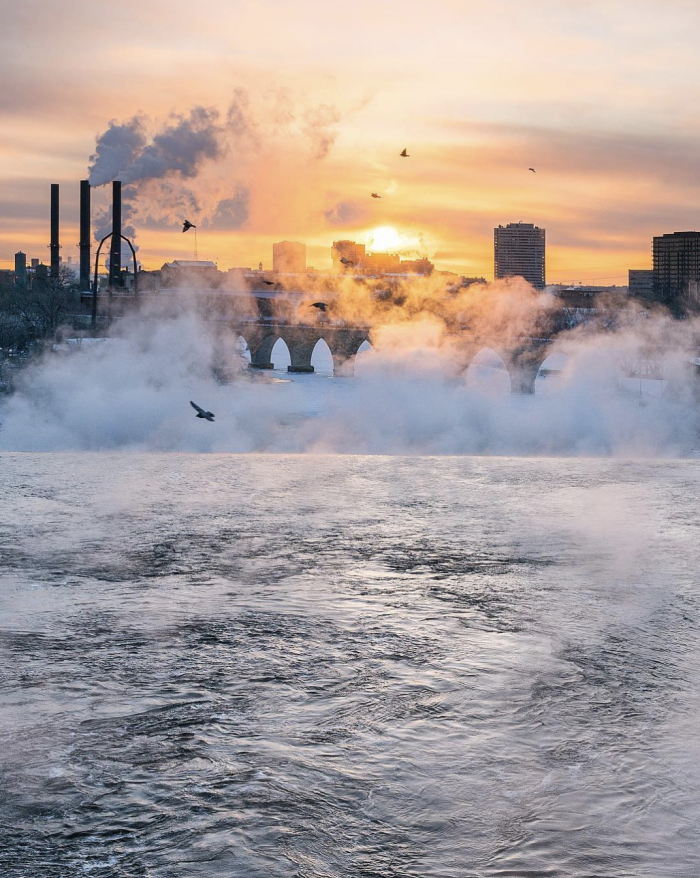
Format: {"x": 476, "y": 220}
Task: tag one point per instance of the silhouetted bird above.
{"x": 346, "y": 261}
{"x": 374, "y": 195}
{"x": 201, "y": 413}
{"x": 320, "y": 305}
{"x": 187, "y": 225}
{"x": 533, "y": 170}
{"x": 269, "y": 283}
{"x": 405, "y": 154}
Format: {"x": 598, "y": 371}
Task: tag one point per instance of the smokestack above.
{"x": 21, "y": 269}
{"x": 55, "y": 246}
{"x": 115, "y": 250}
{"x": 84, "y": 235}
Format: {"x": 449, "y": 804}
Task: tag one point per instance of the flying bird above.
{"x": 405, "y": 154}
{"x": 533, "y": 170}
{"x": 202, "y": 413}
{"x": 187, "y": 225}
{"x": 346, "y": 261}
{"x": 320, "y": 305}
{"x": 269, "y": 283}
{"x": 374, "y": 195}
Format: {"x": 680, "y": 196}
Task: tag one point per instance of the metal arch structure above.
{"x": 97, "y": 265}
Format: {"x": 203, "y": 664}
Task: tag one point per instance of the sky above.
{"x": 271, "y": 120}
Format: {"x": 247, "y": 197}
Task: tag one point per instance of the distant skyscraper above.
{"x": 348, "y": 250}
{"x": 519, "y": 252}
{"x": 289, "y": 256}
{"x": 677, "y": 269}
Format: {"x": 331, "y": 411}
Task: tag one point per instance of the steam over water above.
{"x": 412, "y": 396}
{"x": 343, "y": 666}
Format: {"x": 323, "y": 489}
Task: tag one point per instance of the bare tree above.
{"x": 33, "y": 314}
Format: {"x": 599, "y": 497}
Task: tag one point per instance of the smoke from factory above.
{"x": 216, "y": 168}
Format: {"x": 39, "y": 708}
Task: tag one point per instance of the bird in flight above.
{"x": 269, "y": 283}
{"x": 346, "y": 261}
{"x": 533, "y": 170}
{"x": 187, "y": 225}
{"x": 320, "y": 305}
{"x": 405, "y": 154}
{"x": 374, "y": 195}
{"x": 202, "y": 413}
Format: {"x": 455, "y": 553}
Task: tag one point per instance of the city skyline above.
{"x": 330, "y": 110}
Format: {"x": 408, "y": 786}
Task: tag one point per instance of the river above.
{"x": 280, "y": 665}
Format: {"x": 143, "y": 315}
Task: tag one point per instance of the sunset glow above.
{"x": 292, "y": 134}
{"x": 383, "y": 240}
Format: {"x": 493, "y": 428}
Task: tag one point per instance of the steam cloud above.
{"x": 226, "y": 157}
{"x": 414, "y": 395}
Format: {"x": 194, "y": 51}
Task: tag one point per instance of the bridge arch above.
{"x": 322, "y": 360}
{"x": 488, "y": 372}
{"x": 550, "y": 371}
{"x": 243, "y": 348}
{"x": 356, "y": 352}
{"x": 280, "y": 355}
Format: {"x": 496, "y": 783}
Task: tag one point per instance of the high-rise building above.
{"x": 289, "y": 256}
{"x": 519, "y": 252}
{"x": 352, "y": 253}
{"x": 677, "y": 269}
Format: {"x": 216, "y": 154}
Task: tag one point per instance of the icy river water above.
{"x": 270, "y": 665}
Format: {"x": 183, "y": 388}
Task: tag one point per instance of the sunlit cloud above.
{"x": 565, "y": 87}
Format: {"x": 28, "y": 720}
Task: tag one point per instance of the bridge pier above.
{"x": 302, "y": 368}
{"x": 522, "y": 381}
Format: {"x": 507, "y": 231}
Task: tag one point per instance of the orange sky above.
{"x": 601, "y": 98}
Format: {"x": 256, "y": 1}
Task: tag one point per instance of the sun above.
{"x": 383, "y": 239}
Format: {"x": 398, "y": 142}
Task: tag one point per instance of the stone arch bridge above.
{"x": 522, "y": 358}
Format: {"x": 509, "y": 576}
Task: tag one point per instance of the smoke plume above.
{"x": 220, "y": 169}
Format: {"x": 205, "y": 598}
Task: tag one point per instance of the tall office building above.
{"x": 352, "y": 253}
{"x": 289, "y": 256}
{"x": 519, "y": 252}
{"x": 677, "y": 269}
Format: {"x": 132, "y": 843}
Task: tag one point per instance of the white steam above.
{"x": 133, "y": 393}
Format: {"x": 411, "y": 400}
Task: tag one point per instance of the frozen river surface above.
{"x": 348, "y": 666}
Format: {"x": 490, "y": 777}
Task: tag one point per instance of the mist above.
{"x": 414, "y": 393}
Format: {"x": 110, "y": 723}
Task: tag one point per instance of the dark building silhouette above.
{"x": 519, "y": 251}
{"x": 677, "y": 270}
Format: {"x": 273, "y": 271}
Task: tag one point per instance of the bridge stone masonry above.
{"x": 522, "y": 359}
{"x": 343, "y": 341}
{"x": 254, "y": 318}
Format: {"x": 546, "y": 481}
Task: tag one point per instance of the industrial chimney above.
{"x": 115, "y": 250}
{"x": 55, "y": 246}
{"x": 84, "y": 235}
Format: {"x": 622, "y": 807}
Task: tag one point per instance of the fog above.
{"x": 413, "y": 392}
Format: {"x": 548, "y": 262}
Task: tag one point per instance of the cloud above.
{"x": 181, "y": 146}
{"x": 345, "y": 213}
{"x": 232, "y": 213}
